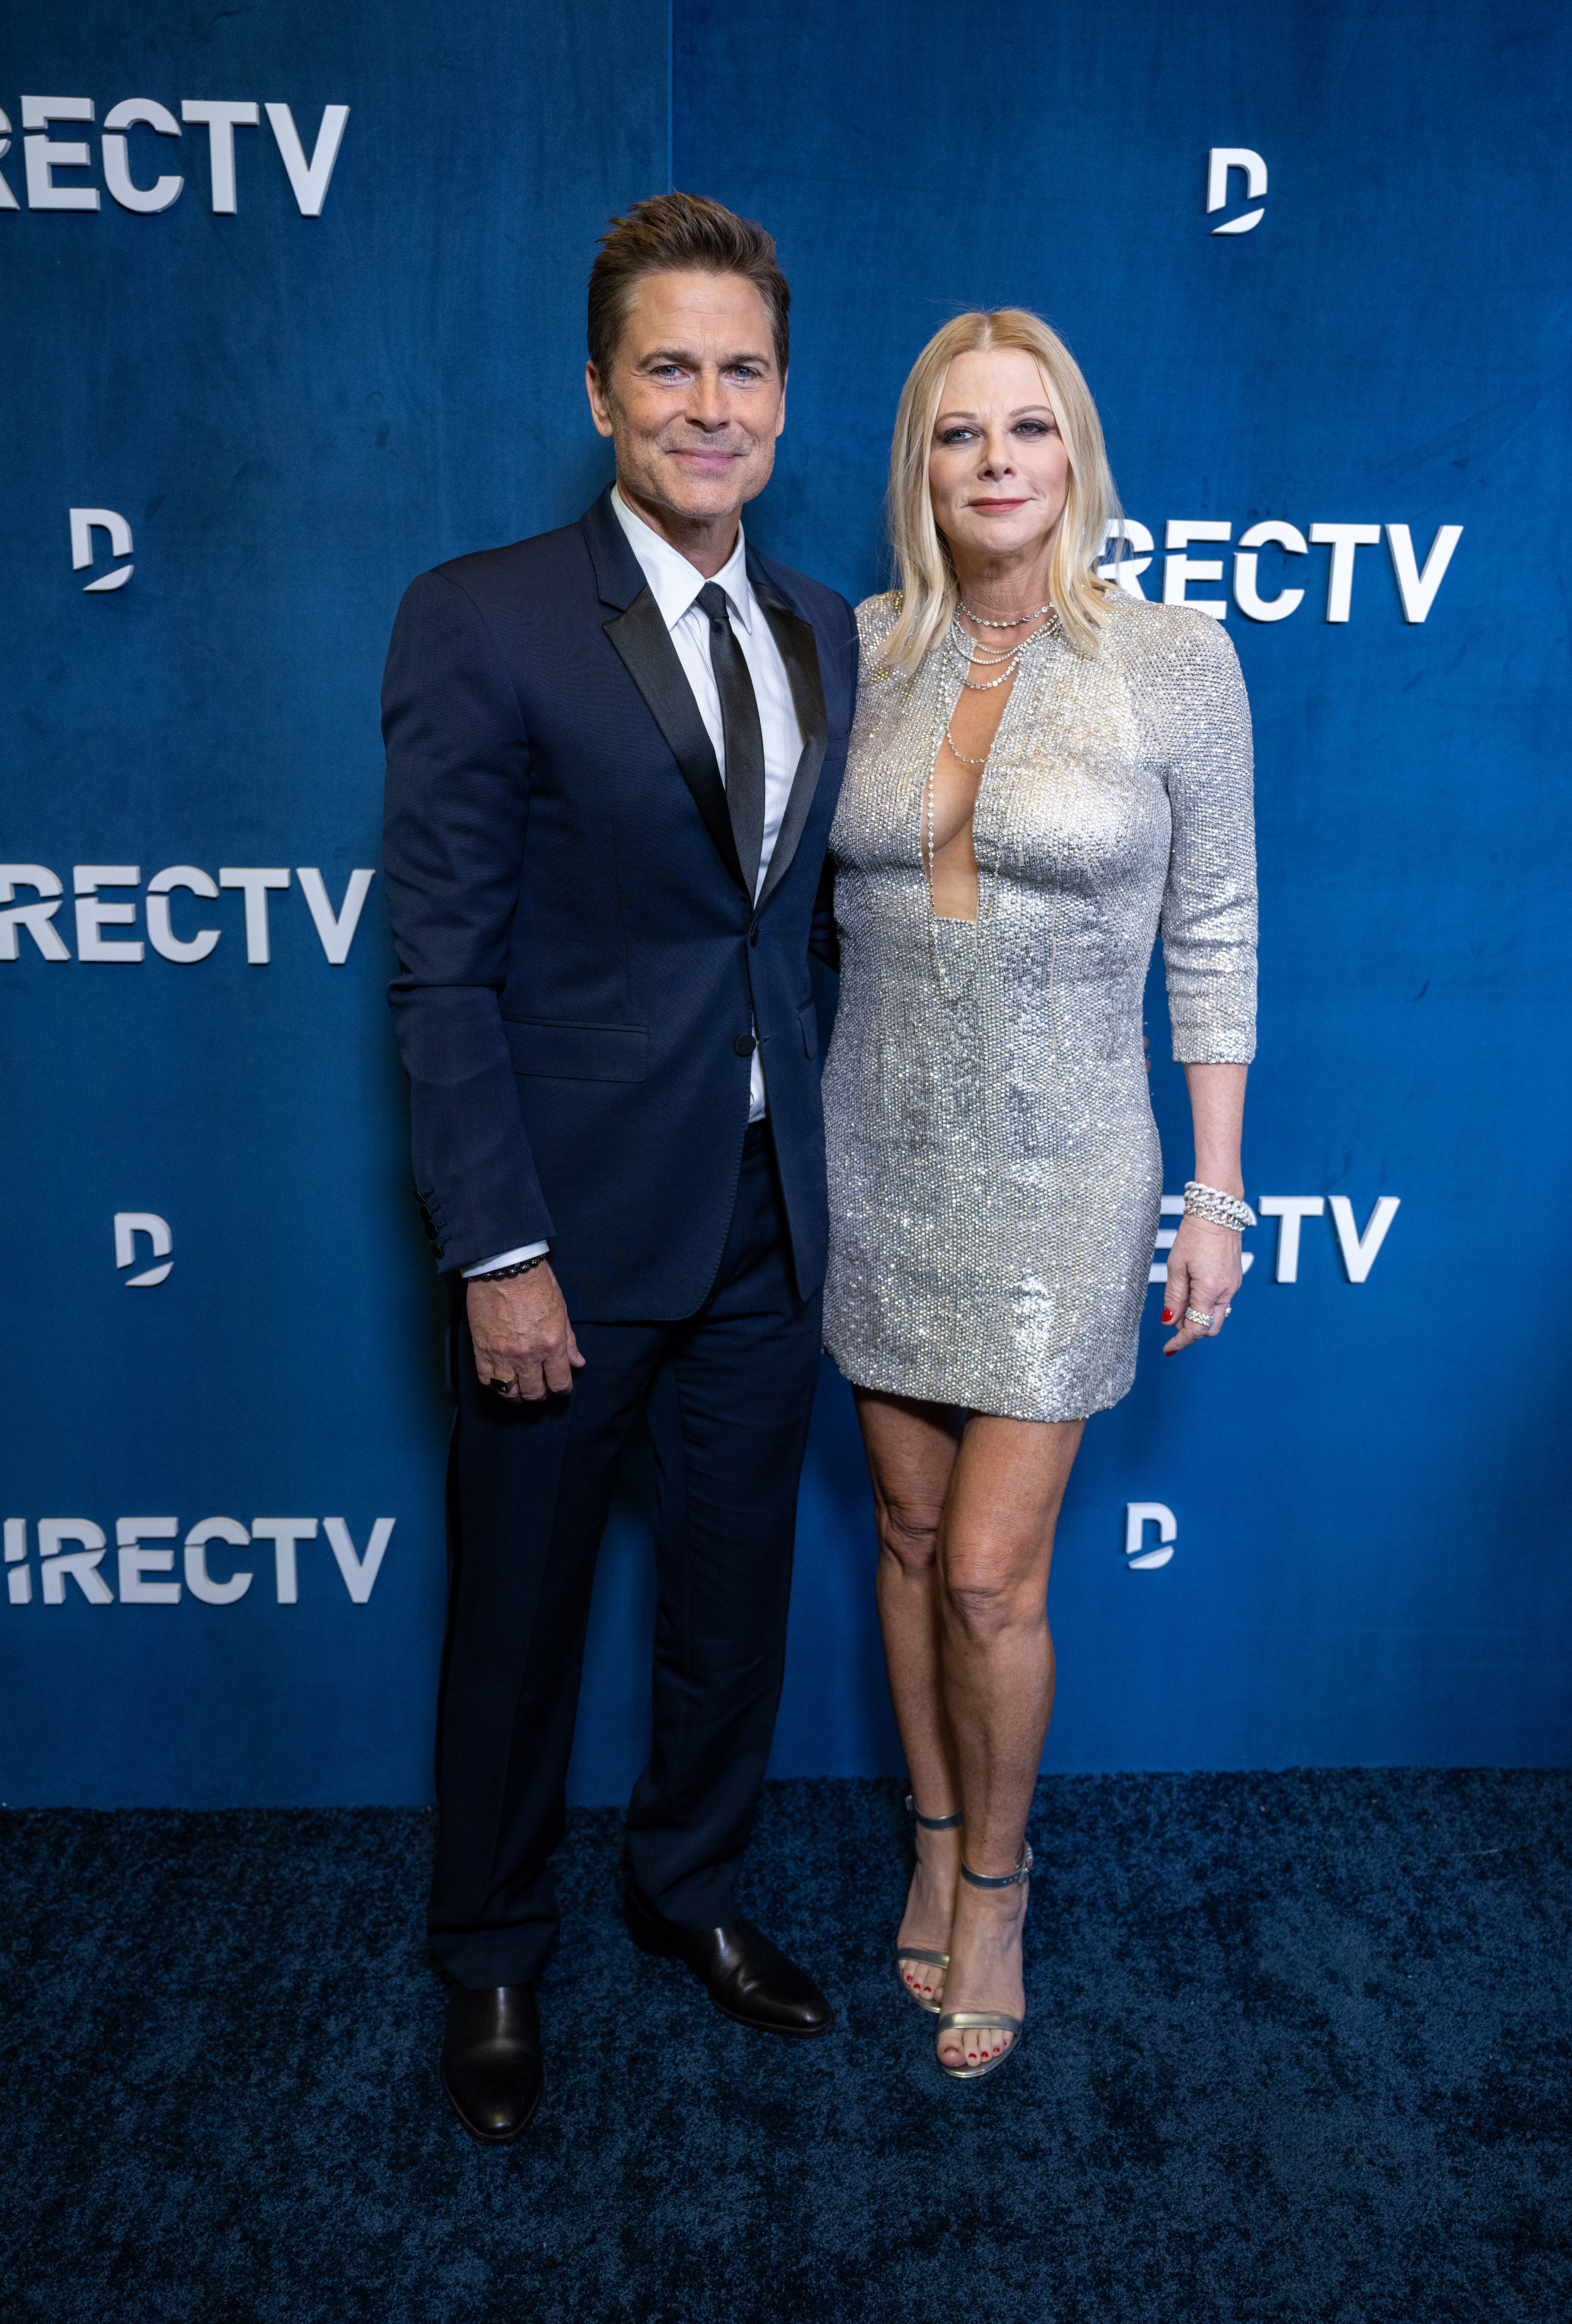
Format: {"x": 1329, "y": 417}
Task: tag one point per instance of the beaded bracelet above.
{"x": 520, "y": 1266}
{"x": 1222, "y": 1210}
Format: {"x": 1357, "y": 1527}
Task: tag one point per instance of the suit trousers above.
{"x": 727, "y": 1394}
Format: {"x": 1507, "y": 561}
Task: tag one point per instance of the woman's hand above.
{"x": 1204, "y": 1271}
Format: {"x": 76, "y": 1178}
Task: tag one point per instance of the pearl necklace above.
{"x": 1019, "y": 621}
{"x": 989, "y": 846}
{"x": 963, "y": 648}
{"x": 1007, "y": 663}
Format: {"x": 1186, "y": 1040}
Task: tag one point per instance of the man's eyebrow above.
{"x": 687, "y": 356}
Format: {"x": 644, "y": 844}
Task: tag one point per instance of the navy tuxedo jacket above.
{"x": 581, "y": 960}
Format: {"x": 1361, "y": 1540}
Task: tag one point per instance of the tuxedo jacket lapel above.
{"x": 800, "y": 652}
{"x": 642, "y": 638}
{"x": 639, "y": 632}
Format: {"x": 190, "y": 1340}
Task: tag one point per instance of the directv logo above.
{"x": 43, "y": 155}
{"x": 1140, "y": 1557}
{"x": 1220, "y": 161}
{"x": 85, "y": 522}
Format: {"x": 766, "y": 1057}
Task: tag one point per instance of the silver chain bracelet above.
{"x": 1222, "y": 1210}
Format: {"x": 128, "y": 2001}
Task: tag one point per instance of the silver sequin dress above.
{"x": 994, "y": 1176}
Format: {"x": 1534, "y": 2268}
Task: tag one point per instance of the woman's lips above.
{"x": 998, "y": 504}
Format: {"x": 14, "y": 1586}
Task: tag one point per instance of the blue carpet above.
{"x": 1297, "y": 2048}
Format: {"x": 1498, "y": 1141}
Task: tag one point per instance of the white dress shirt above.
{"x": 675, "y": 585}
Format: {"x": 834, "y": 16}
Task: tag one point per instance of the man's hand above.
{"x": 524, "y": 1345}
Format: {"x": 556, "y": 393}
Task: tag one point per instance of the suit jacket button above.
{"x": 744, "y": 1045}
{"x": 753, "y": 935}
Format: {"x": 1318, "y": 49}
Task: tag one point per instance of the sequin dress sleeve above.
{"x": 995, "y": 1175}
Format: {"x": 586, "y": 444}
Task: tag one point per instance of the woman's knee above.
{"x": 986, "y": 1596}
{"x": 908, "y": 1535}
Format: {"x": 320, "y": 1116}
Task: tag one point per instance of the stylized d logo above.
{"x": 128, "y": 1225}
{"x": 1220, "y": 161}
{"x": 1138, "y": 1515}
{"x": 85, "y": 522}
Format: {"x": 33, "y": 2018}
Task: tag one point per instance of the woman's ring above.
{"x": 1195, "y": 1316}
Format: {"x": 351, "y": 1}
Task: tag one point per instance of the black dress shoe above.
{"x": 748, "y": 1978}
{"x": 490, "y": 2060}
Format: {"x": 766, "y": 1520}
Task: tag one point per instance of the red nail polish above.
{"x": 1168, "y": 1314}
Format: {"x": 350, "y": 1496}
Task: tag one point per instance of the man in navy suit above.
{"x": 613, "y": 756}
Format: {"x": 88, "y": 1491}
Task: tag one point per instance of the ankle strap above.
{"x": 1022, "y": 1871}
{"x": 933, "y": 1824}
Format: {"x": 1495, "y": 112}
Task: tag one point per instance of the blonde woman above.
{"x": 1044, "y": 770}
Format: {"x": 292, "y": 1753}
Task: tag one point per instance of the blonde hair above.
{"x": 929, "y": 595}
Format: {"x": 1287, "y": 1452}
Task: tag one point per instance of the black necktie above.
{"x": 741, "y": 731}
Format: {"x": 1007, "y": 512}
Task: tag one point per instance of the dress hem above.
{"x": 925, "y": 1394}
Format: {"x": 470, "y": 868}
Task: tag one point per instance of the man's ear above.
{"x": 600, "y": 410}
{"x": 780, "y": 415}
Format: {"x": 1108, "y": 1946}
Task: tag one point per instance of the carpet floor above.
{"x": 1297, "y": 2048}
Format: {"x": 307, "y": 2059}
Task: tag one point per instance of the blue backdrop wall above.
{"x": 241, "y": 415}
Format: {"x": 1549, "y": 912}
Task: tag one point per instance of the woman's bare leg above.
{"x": 911, "y": 1449}
{"x": 995, "y": 1667}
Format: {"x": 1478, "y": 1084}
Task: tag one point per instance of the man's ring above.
{"x": 500, "y": 1386}
{"x": 1195, "y": 1316}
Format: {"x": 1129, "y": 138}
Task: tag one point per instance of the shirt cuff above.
{"x": 507, "y": 1258}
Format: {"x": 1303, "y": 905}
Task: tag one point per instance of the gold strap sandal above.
{"x": 963, "y": 2021}
{"x": 917, "y": 1952}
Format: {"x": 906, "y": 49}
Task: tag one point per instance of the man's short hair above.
{"x": 681, "y": 233}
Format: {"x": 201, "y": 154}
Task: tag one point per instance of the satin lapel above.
{"x": 640, "y": 636}
{"x": 800, "y": 652}
{"x": 619, "y": 575}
